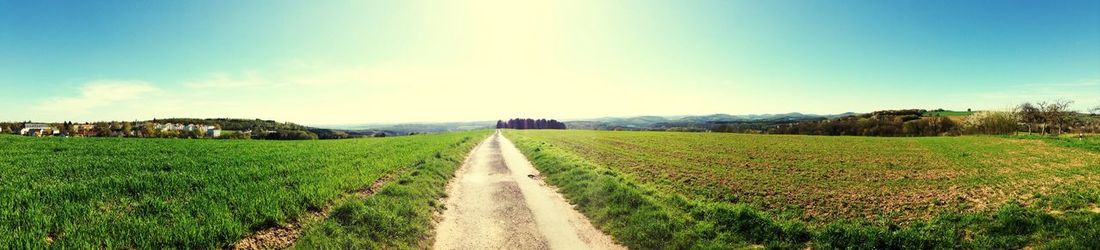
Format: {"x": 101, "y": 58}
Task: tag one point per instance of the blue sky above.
{"x": 336, "y": 62}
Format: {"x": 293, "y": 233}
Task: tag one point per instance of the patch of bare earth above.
{"x": 1091, "y": 208}
{"x": 284, "y": 236}
{"x": 49, "y": 239}
{"x": 280, "y": 237}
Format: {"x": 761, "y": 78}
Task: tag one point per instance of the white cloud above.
{"x": 1085, "y": 93}
{"x": 227, "y": 81}
{"x": 330, "y": 77}
{"x": 1081, "y": 83}
{"x": 287, "y": 75}
{"x": 337, "y": 94}
{"x": 99, "y": 93}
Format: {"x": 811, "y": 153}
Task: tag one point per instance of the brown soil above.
{"x": 280, "y": 237}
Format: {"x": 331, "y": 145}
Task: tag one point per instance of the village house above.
{"x": 86, "y": 130}
{"x": 165, "y": 127}
{"x": 37, "y": 129}
{"x": 212, "y": 131}
{"x": 209, "y": 131}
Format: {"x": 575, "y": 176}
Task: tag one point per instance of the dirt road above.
{"x": 496, "y": 201}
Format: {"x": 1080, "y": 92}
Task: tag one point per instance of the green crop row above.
{"x": 178, "y": 193}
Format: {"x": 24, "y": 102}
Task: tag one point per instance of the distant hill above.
{"x": 638, "y": 121}
{"x": 680, "y": 123}
{"x": 408, "y": 128}
{"x": 697, "y": 123}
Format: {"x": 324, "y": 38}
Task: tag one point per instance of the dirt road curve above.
{"x": 493, "y": 203}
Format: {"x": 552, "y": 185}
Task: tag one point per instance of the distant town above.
{"x": 230, "y": 128}
{"x": 167, "y": 128}
{"x": 123, "y": 129}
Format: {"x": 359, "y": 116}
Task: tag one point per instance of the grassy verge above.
{"x": 397, "y": 216}
{"x": 1088, "y": 142}
{"x": 639, "y": 216}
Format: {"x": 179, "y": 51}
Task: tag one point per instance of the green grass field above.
{"x": 397, "y": 216}
{"x": 179, "y": 193}
{"x": 683, "y": 190}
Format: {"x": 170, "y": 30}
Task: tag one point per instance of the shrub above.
{"x": 990, "y": 122}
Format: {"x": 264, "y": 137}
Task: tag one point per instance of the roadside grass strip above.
{"x": 397, "y": 216}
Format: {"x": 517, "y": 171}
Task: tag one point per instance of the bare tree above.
{"x": 1057, "y": 114}
{"x": 1030, "y": 115}
{"x": 1094, "y": 120}
{"x": 148, "y": 129}
{"x": 127, "y": 128}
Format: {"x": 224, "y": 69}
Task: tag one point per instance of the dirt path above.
{"x": 496, "y": 201}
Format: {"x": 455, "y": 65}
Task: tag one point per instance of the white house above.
{"x": 170, "y": 126}
{"x": 212, "y": 131}
{"x": 37, "y": 129}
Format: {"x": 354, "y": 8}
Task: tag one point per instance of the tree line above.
{"x": 254, "y": 128}
{"x": 1051, "y": 118}
{"x": 528, "y": 123}
{"x": 908, "y": 122}
{"x": 236, "y": 124}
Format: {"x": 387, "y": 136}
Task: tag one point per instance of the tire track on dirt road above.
{"x": 496, "y": 201}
